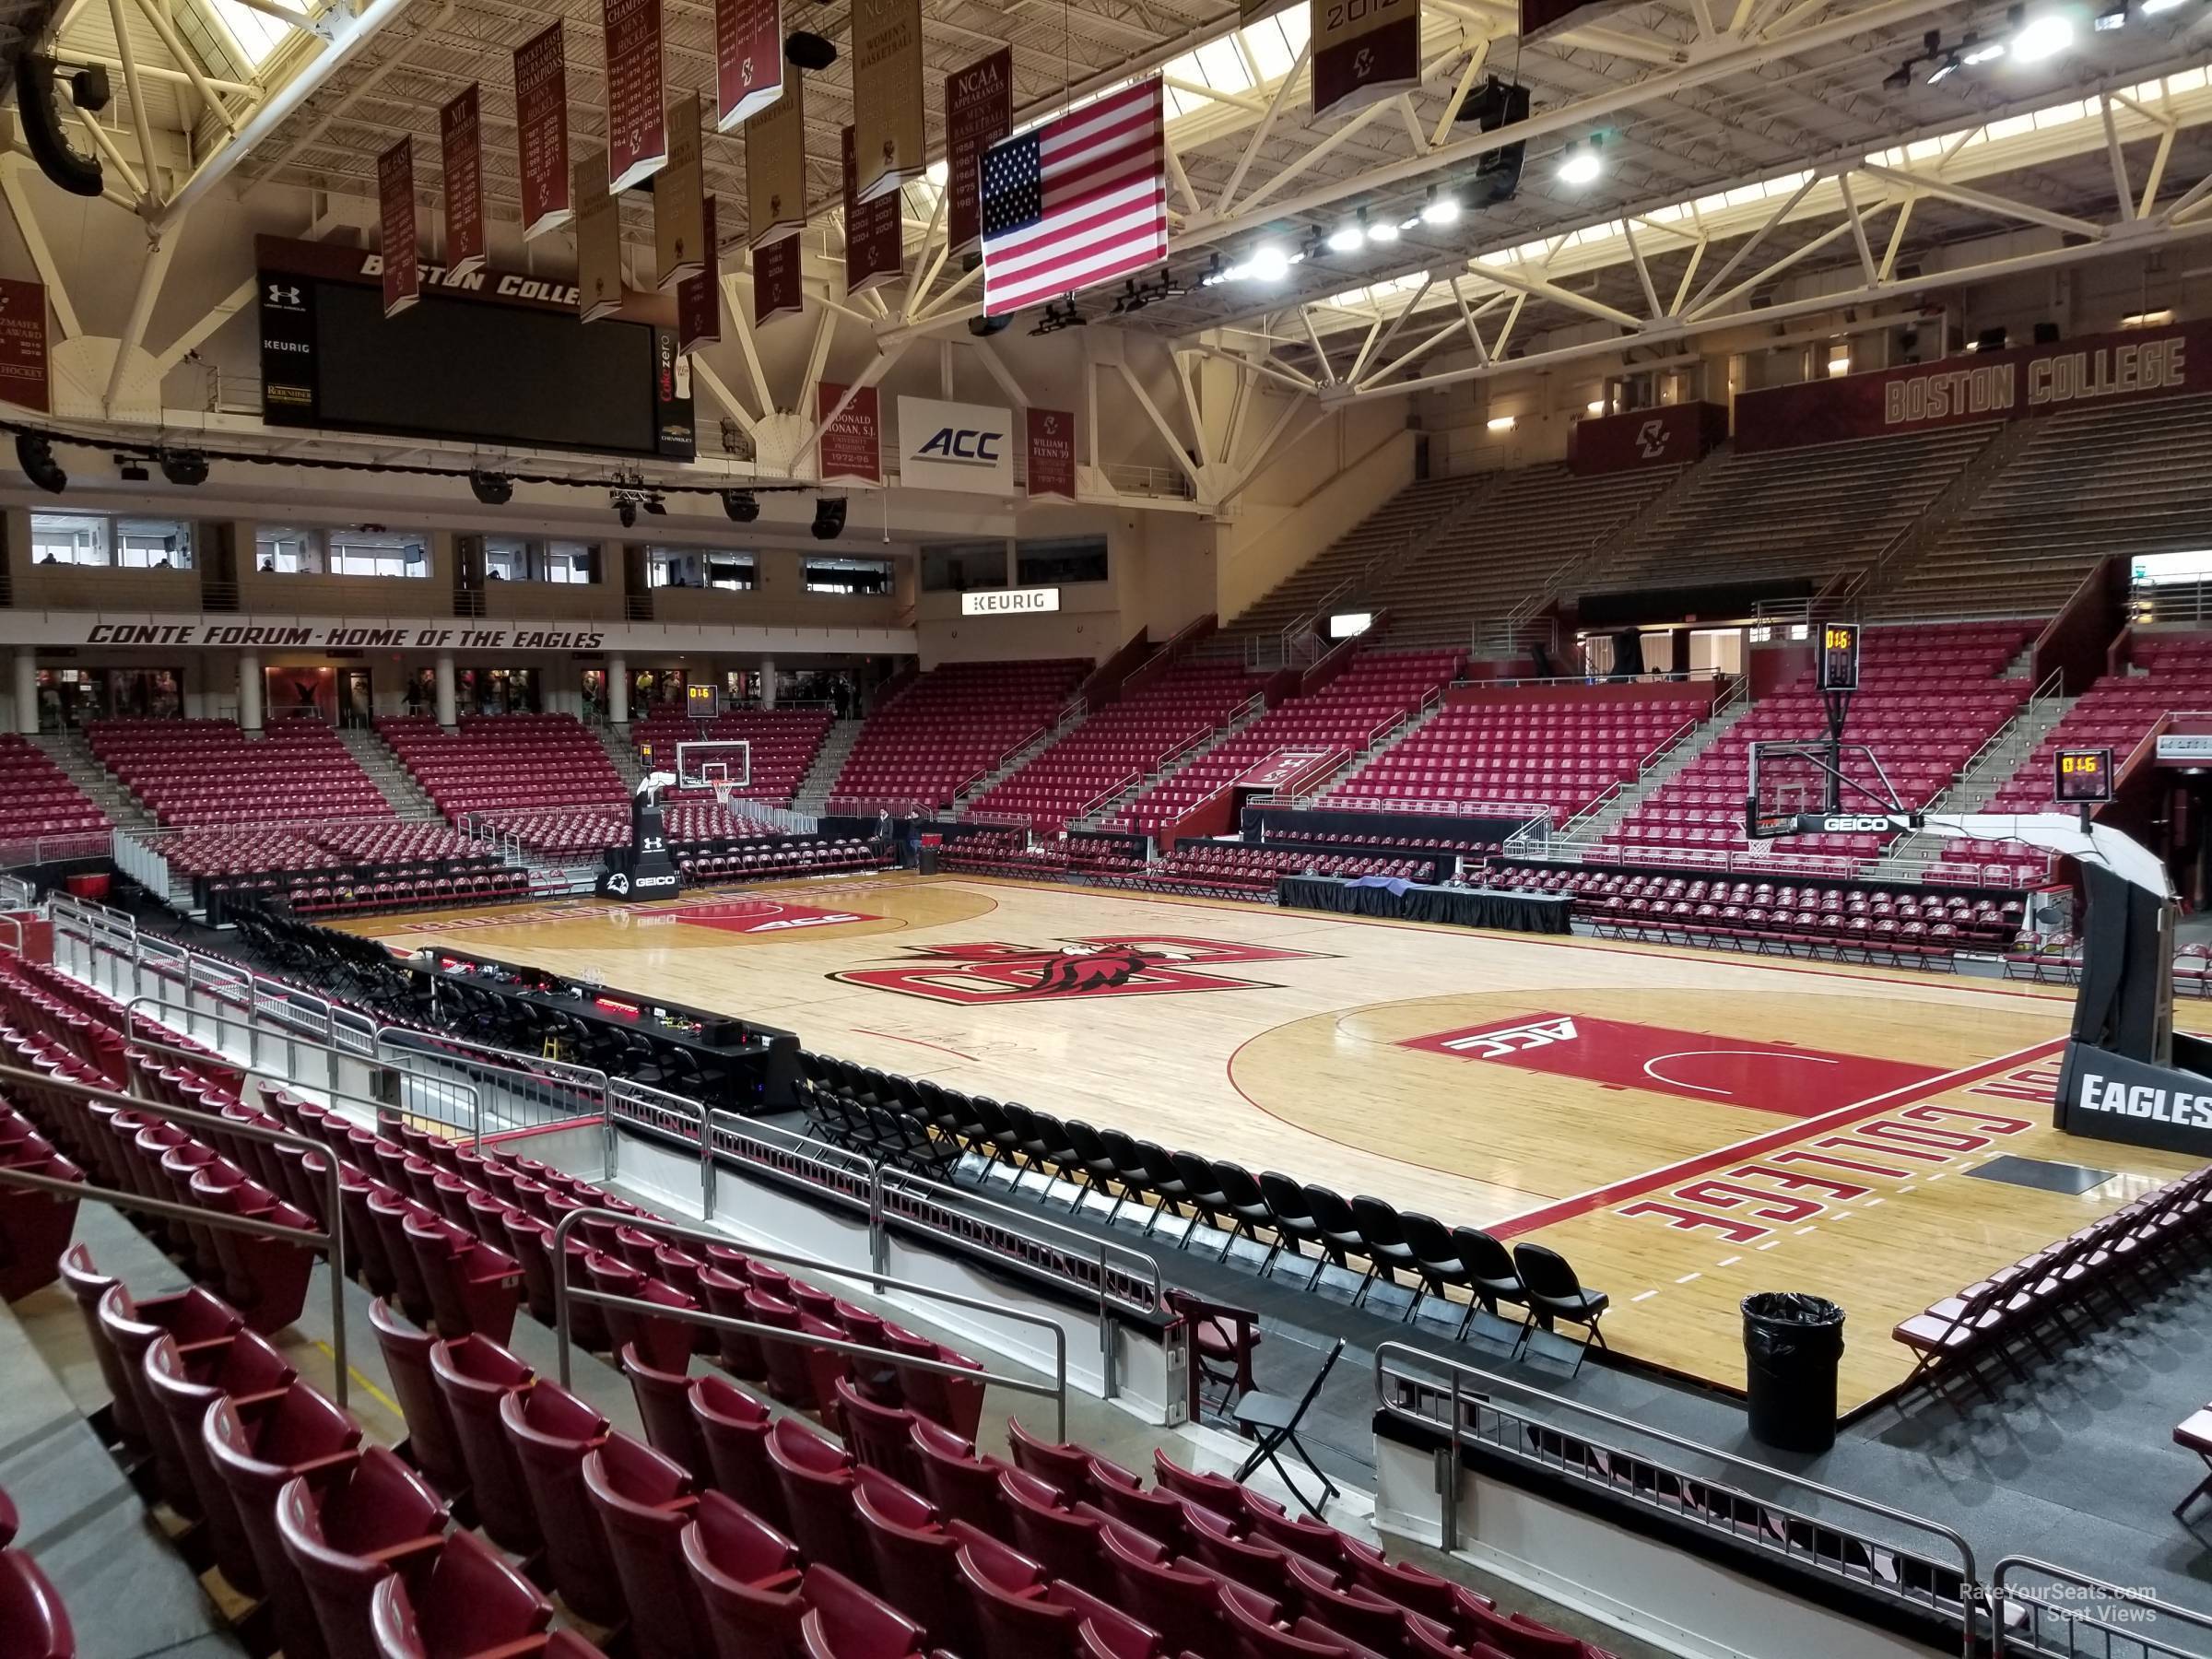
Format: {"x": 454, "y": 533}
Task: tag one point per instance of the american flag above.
{"x": 1075, "y": 202}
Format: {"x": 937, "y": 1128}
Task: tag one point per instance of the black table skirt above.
{"x": 1517, "y": 912}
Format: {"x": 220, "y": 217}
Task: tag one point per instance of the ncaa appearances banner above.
{"x": 958, "y": 446}
{"x": 460, "y": 159}
{"x": 874, "y": 232}
{"x": 699, "y": 298}
{"x": 598, "y": 241}
{"x": 775, "y": 168}
{"x": 2109, "y": 1096}
{"x": 776, "y": 291}
{"x": 887, "y": 140}
{"x": 637, "y": 126}
{"x": 24, "y": 378}
{"x": 2023, "y": 383}
{"x": 541, "y": 131}
{"x": 979, "y": 111}
{"x": 679, "y": 211}
{"x": 396, "y": 210}
{"x": 1364, "y": 51}
{"x": 850, "y": 449}
{"x": 749, "y": 58}
{"x": 1049, "y": 454}
{"x": 1674, "y": 436}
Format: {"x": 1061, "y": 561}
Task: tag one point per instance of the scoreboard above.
{"x": 1838, "y": 656}
{"x": 702, "y": 702}
{"x": 2082, "y": 777}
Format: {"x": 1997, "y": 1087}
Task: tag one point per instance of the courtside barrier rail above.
{"x": 2052, "y": 1612}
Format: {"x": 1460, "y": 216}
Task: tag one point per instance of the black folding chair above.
{"x": 1273, "y": 1421}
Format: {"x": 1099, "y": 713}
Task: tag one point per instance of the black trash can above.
{"x": 1792, "y": 1343}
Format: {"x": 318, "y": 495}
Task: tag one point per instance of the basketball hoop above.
{"x": 722, "y": 784}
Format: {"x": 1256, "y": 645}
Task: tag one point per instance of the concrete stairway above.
{"x": 1389, "y": 739}
{"x": 1594, "y": 827}
{"x": 1096, "y": 818}
{"x": 829, "y": 762}
{"x": 1910, "y": 858}
{"x": 1069, "y": 720}
{"x": 392, "y": 779}
{"x": 618, "y": 747}
{"x": 73, "y": 756}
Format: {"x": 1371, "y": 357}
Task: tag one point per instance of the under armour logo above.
{"x": 1650, "y": 439}
{"x": 282, "y": 294}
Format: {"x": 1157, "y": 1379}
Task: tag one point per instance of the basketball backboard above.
{"x": 1819, "y": 787}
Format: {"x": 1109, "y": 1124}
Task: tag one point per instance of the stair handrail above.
{"x": 1960, "y": 493}
{"x": 2039, "y": 699}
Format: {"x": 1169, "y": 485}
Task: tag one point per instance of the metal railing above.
{"x": 54, "y": 849}
{"x": 1458, "y": 1401}
{"x": 2063, "y": 1615}
{"x": 566, "y": 1294}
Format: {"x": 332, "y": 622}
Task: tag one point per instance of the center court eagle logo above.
{"x": 1140, "y": 965}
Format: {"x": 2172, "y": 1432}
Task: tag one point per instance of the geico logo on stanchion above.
{"x": 2146, "y": 1100}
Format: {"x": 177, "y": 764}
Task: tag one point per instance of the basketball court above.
{"x": 1684, "y": 1128}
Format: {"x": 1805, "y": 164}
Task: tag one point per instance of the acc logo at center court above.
{"x": 1139, "y": 965}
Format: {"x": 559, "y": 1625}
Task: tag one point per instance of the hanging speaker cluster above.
{"x": 1493, "y": 106}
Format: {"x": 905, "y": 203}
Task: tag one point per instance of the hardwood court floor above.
{"x": 1685, "y": 1127}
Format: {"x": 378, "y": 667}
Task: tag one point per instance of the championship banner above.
{"x": 1049, "y": 450}
{"x": 1541, "y": 17}
{"x": 875, "y": 234}
{"x": 680, "y": 230}
{"x": 598, "y": 241}
{"x": 979, "y": 111}
{"x": 541, "y": 131}
{"x": 461, "y": 158}
{"x": 775, "y": 167}
{"x": 967, "y": 447}
{"x": 887, "y": 141}
{"x": 699, "y": 298}
{"x": 2025, "y": 381}
{"x": 637, "y": 124}
{"x": 395, "y": 205}
{"x": 851, "y": 448}
{"x": 1674, "y": 436}
{"x": 776, "y": 291}
{"x": 748, "y": 60}
{"x": 24, "y": 376}
{"x": 1363, "y": 52}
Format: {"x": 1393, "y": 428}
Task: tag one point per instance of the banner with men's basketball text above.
{"x": 776, "y": 291}
{"x": 680, "y": 231}
{"x": 637, "y": 122}
{"x": 775, "y": 166}
{"x": 979, "y": 111}
{"x": 2025, "y": 381}
{"x": 1364, "y": 51}
{"x": 699, "y": 297}
{"x": 749, "y": 58}
{"x": 541, "y": 131}
{"x": 851, "y": 448}
{"x": 460, "y": 159}
{"x": 1049, "y": 454}
{"x": 874, "y": 251}
{"x": 395, "y": 216}
{"x": 1673, "y": 436}
{"x": 24, "y": 379}
{"x": 598, "y": 241}
{"x": 889, "y": 146}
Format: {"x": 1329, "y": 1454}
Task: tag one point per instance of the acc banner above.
{"x": 851, "y": 448}
{"x": 979, "y": 111}
{"x": 776, "y": 281}
{"x": 461, "y": 158}
{"x": 1048, "y": 446}
{"x": 679, "y": 232}
{"x": 541, "y": 131}
{"x": 749, "y": 58}
{"x": 775, "y": 167}
{"x": 874, "y": 251}
{"x": 699, "y": 298}
{"x": 637, "y": 126}
{"x": 887, "y": 94}
{"x": 598, "y": 241}
{"x": 956, "y": 446}
{"x": 24, "y": 378}
{"x": 395, "y": 206}
{"x": 1364, "y": 51}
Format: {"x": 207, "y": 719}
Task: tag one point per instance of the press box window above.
{"x": 1061, "y": 560}
{"x": 700, "y": 567}
{"x": 519, "y": 559}
{"x": 964, "y": 567}
{"x": 848, "y": 576}
{"x": 95, "y": 539}
{"x": 284, "y": 550}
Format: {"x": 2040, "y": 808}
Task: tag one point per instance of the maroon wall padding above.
{"x": 2076, "y": 644}
{"x": 1664, "y": 437}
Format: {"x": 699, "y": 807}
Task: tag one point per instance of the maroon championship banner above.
{"x": 979, "y": 111}
{"x": 874, "y": 250}
{"x": 541, "y": 131}
{"x": 1540, "y": 17}
{"x": 850, "y": 449}
{"x": 776, "y": 280}
{"x": 24, "y": 377}
{"x": 1049, "y": 454}
{"x": 1985, "y": 385}
{"x": 1673, "y": 436}
{"x": 890, "y": 141}
{"x": 637, "y": 122}
{"x": 749, "y": 58}
{"x": 395, "y": 207}
{"x": 698, "y": 298}
{"x": 1364, "y": 51}
{"x": 461, "y": 158}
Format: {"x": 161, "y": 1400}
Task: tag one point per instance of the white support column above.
{"x": 768, "y": 682}
{"x": 447, "y": 715}
{"x": 27, "y": 692}
{"x": 617, "y": 690}
{"x": 249, "y": 691}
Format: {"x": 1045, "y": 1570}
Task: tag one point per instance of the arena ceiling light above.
{"x": 1583, "y": 164}
{"x": 1267, "y": 263}
{"x": 1350, "y": 236}
{"x": 34, "y": 454}
{"x": 828, "y": 518}
{"x": 2042, "y": 36}
{"x": 1441, "y": 209}
{"x": 494, "y": 489}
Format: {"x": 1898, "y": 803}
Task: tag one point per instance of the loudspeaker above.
{"x": 2046, "y": 333}
{"x": 1990, "y": 339}
{"x": 43, "y": 134}
{"x": 1491, "y": 106}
